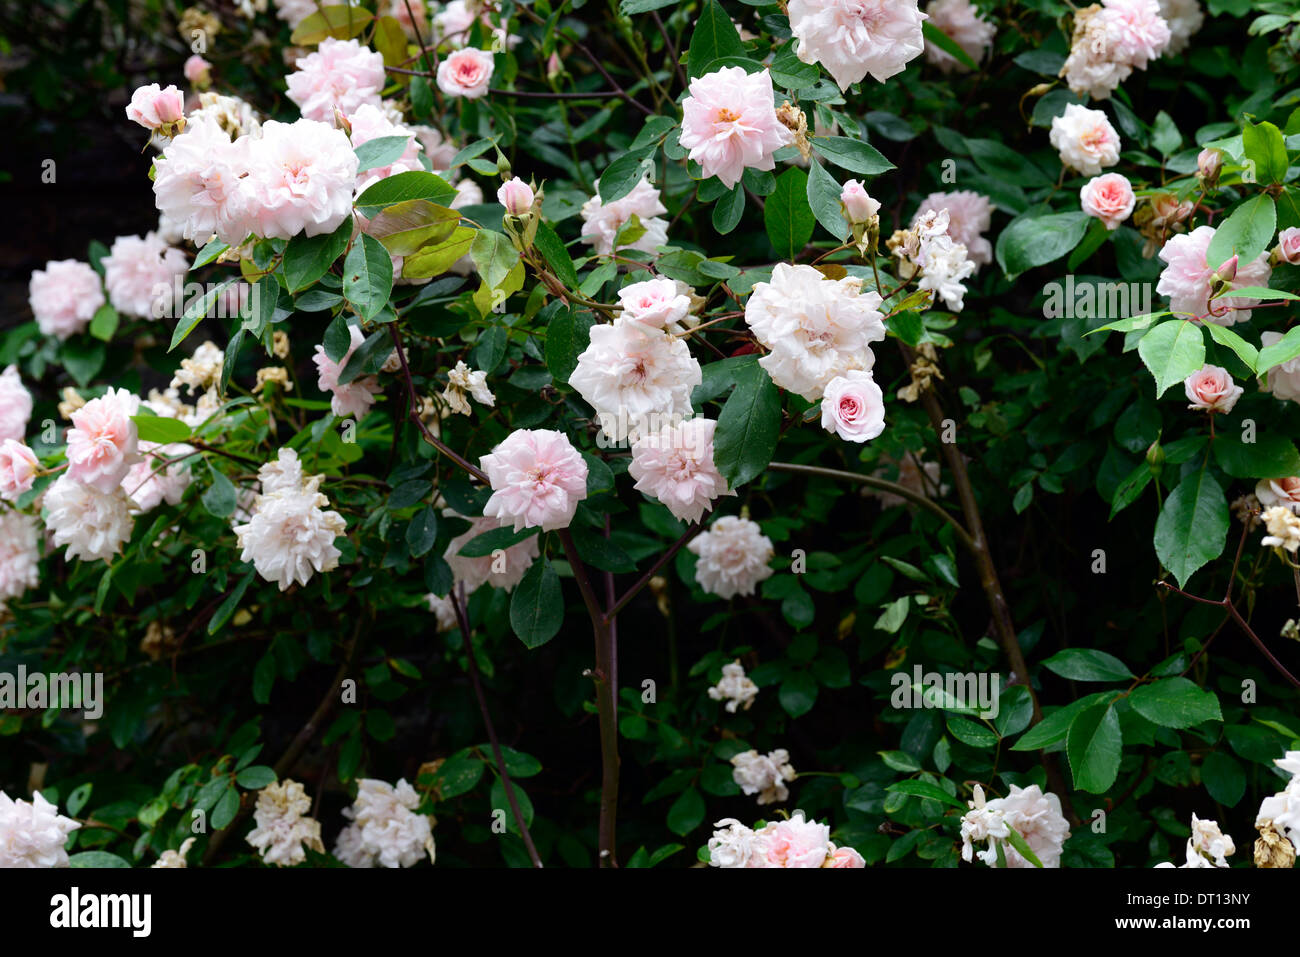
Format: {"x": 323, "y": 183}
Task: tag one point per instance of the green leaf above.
{"x": 413, "y": 184}
{"x": 1087, "y": 664}
{"x": 567, "y": 336}
{"x": 341, "y": 22}
{"x": 307, "y": 258}
{"x": 1246, "y": 232}
{"x": 728, "y": 210}
{"x": 798, "y": 693}
{"x": 160, "y": 429}
{"x": 458, "y": 775}
{"x": 422, "y": 532}
{"x": 824, "y": 200}
{"x": 368, "y": 276}
{"x": 368, "y": 358}
{"x": 1093, "y": 746}
{"x": 900, "y": 761}
{"x": 227, "y": 608}
{"x": 1224, "y": 778}
{"x": 96, "y": 859}
{"x": 1271, "y": 455}
{"x": 1055, "y": 726}
{"x": 556, "y": 256}
{"x": 338, "y": 338}
{"x": 1175, "y": 703}
{"x": 622, "y": 175}
{"x": 227, "y": 807}
{"x": 1005, "y": 164}
{"x": 748, "y": 427}
{"x": 537, "y": 606}
{"x": 924, "y": 789}
{"x": 208, "y": 254}
{"x": 406, "y": 228}
{"x": 480, "y": 546}
{"x": 787, "y": 215}
{"x": 104, "y": 323}
{"x": 714, "y": 37}
{"x": 1022, "y": 847}
{"x": 1192, "y": 527}
{"x": 494, "y": 256}
{"x": 196, "y": 311}
{"x": 687, "y": 812}
{"x": 1284, "y": 350}
{"x": 1032, "y": 241}
{"x": 1130, "y": 324}
{"x": 255, "y": 777}
{"x": 852, "y": 155}
{"x": 1265, "y": 146}
{"x": 1172, "y": 351}
{"x": 219, "y": 499}
{"x": 1226, "y": 337}
{"x": 1164, "y": 134}
{"x": 947, "y": 44}
{"x": 381, "y": 151}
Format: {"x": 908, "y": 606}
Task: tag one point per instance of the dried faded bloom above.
{"x": 196, "y": 18}
{"x": 70, "y": 402}
{"x": 463, "y": 381}
{"x": 280, "y": 344}
{"x": 1245, "y": 509}
{"x": 284, "y": 827}
{"x": 1272, "y": 849}
{"x": 274, "y": 375}
{"x": 159, "y": 640}
{"x": 923, "y": 370}
{"x": 794, "y": 120}
{"x": 175, "y": 859}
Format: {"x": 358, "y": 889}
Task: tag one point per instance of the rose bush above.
{"x": 792, "y": 367}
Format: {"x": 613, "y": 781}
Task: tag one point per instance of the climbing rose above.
{"x": 675, "y": 466}
{"x": 92, "y": 524}
{"x": 602, "y": 221}
{"x": 1288, "y": 246}
{"x": 354, "y": 399}
{"x": 763, "y": 774}
{"x": 1211, "y": 389}
{"x": 64, "y": 297}
{"x": 139, "y": 274}
{"x": 466, "y": 73}
{"x": 19, "y": 554}
{"x": 18, "y": 467}
{"x": 1279, "y": 491}
{"x": 290, "y": 535}
{"x": 537, "y": 478}
{"x": 733, "y": 557}
{"x": 1283, "y": 380}
{"x": 283, "y": 828}
{"x": 1188, "y": 277}
{"x": 796, "y": 842}
{"x": 852, "y": 38}
{"x": 300, "y": 180}
{"x": 385, "y": 831}
{"x": 340, "y": 74}
{"x": 15, "y": 404}
{"x": 1085, "y": 139}
{"x": 964, "y": 26}
{"x": 853, "y": 407}
{"x": 516, "y": 196}
{"x": 154, "y": 107}
{"x": 1109, "y": 197}
{"x": 734, "y": 687}
{"x": 729, "y": 123}
{"x": 198, "y": 182}
{"x": 655, "y": 303}
{"x": 103, "y": 442}
{"x": 33, "y": 834}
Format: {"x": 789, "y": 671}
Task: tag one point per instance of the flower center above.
{"x": 726, "y": 115}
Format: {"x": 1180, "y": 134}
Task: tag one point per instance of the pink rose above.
{"x": 466, "y": 73}
{"x": 153, "y": 107}
{"x": 1110, "y": 198}
{"x": 729, "y": 123}
{"x": 858, "y": 206}
{"x": 18, "y": 466}
{"x": 1211, "y": 389}
{"x": 844, "y": 857}
{"x": 654, "y": 302}
{"x": 516, "y": 196}
{"x": 794, "y": 843}
{"x": 198, "y": 71}
{"x": 1282, "y": 491}
{"x": 537, "y": 478}
{"x": 64, "y": 296}
{"x": 1209, "y": 163}
{"x": 103, "y": 442}
{"x": 1288, "y": 246}
{"x": 853, "y": 407}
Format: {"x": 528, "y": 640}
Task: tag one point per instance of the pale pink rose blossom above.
{"x": 1209, "y": 164}
{"x": 729, "y": 123}
{"x": 1288, "y": 246}
{"x": 852, "y": 38}
{"x": 516, "y": 196}
{"x": 795, "y": 843}
{"x": 853, "y": 407}
{"x": 503, "y": 570}
{"x": 733, "y": 557}
{"x": 844, "y": 857}
{"x": 859, "y": 207}
{"x": 537, "y": 478}
{"x": 466, "y": 73}
{"x": 18, "y": 468}
{"x": 289, "y": 535}
{"x": 198, "y": 71}
{"x": 962, "y": 23}
{"x": 154, "y": 107}
{"x": 675, "y": 466}
{"x": 1211, "y": 389}
{"x": 157, "y": 479}
{"x": 1110, "y": 198}
{"x": 197, "y": 182}
{"x": 301, "y": 180}
{"x": 970, "y": 214}
{"x": 140, "y": 273}
{"x": 354, "y": 399}
{"x": 1279, "y": 491}
{"x": 1188, "y": 277}
{"x": 103, "y": 442}
{"x": 1085, "y": 139}
{"x": 94, "y": 525}
{"x": 1142, "y": 34}
{"x": 1185, "y": 18}
{"x": 655, "y": 303}
{"x": 19, "y": 560}
{"x": 15, "y": 405}
{"x": 64, "y": 297}
{"x": 340, "y": 74}
{"x": 602, "y": 221}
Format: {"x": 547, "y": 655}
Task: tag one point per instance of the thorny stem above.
{"x": 458, "y": 603}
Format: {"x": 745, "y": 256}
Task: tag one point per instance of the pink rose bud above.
{"x": 516, "y": 196}
{"x": 1208, "y": 165}
{"x": 198, "y": 71}
{"x": 18, "y": 467}
{"x": 1228, "y": 271}
{"x": 554, "y": 67}
{"x": 155, "y": 108}
{"x": 858, "y": 206}
{"x": 1288, "y": 246}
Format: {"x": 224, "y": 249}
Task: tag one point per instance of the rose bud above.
{"x": 516, "y": 196}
